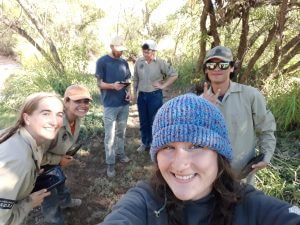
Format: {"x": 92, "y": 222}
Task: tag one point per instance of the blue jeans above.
{"x": 148, "y": 104}
{"x": 115, "y": 122}
{"x": 51, "y": 209}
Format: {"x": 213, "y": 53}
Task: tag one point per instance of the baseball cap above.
{"x": 219, "y": 52}
{"x": 149, "y": 44}
{"x": 76, "y": 92}
{"x": 118, "y": 43}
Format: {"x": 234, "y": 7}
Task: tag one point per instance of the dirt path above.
{"x": 8, "y": 66}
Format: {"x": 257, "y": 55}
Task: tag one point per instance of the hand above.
{"x": 117, "y": 86}
{"x": 213, "y": 98}
{"x": 41, "y": 171}
{"x": 158, "y": 85}
{"x": 259, "y": 166}
{"x": 38, "y": 197}
{"x": 128, "y": 96}
{"x": 65, "y": 160}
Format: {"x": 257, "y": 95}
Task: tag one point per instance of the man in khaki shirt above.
{"x": 249, "y": 122}
{"x": 149, "y": 74}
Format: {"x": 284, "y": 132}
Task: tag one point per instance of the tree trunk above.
{"x": 213, "y": 23}
{"x": 244, "y": 77}
{"x": 243, "y": 45}
{"x": 202, "y": 41}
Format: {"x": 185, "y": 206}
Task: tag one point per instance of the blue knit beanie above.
{"x": 190, "y": 118}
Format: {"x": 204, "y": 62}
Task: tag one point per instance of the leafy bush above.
{"x": 283, "y": 96}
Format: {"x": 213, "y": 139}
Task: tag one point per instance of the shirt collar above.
{"x": 233, "y": 87}
{"x": 154, "y": 59}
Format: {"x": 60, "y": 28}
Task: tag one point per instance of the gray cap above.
{"x": 151, "y": 44}
{"x": 219, "y": 52}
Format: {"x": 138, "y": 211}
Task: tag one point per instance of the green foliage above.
{"x": 283, "y": 96}
{"x": 186, "y": 70}
{"x": 281, "y": 180}
{"x": 92, "y": 123}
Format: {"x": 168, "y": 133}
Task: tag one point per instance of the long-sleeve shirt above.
{"x": 20, "y": 160}
{"x": 250, "y": 123}
{"x": 140, "y": 206}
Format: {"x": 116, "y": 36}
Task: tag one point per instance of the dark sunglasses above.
{"x": 85, "y": 101}
{"x": 221, "y": 65}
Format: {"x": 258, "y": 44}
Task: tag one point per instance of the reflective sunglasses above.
{"x": 221, "y": 65}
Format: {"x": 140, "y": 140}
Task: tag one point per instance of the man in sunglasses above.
{"x": 251, "y": 125}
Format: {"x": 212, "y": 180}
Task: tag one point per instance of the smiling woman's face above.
{"x": 188, "y": 170}
{"x": 46, "y": 120}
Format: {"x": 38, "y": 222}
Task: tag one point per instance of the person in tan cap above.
{"x": 21, "y": 154}
{"x": 76, "y": 105}
{"x": 112, "y": 74}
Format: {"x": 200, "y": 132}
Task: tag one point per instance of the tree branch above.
{"x": 24, "y": 34}
{"x": 213, "y": 22}
{"x": 203, "y": 38}
{"x": 258, "y": 53}
{"x": 243, "y": 45}
{"x": 292, "y": 68}
{"x": 48, "y": 40}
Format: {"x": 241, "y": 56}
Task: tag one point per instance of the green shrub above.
{"x": 283, "y": 96}
{"x": 186, "y": 70}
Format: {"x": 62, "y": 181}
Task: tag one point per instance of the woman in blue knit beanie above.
{"x": 193, "y": 183}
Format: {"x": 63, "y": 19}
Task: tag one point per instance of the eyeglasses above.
{"x": 221, "y": 65}
{"x": 83, "y": 101}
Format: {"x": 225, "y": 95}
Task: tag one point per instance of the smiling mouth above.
{"x": 185, "y": 178}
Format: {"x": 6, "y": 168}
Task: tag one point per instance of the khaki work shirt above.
{"x": 146, "y": 74}
{"x": 20, "y": 159}
{"x": 64, "y": 141}
{"x": 246, "y": 114}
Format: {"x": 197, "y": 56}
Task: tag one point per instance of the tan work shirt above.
{"x": 63, "y": 142}
{"x": 20, "y": 160}
{"x": 145, "y": 75}
{"x": 245, "y": 112}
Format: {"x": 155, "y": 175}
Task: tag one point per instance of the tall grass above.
{"x": 283, "y": 96}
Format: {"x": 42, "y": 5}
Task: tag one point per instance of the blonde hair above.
{"x": 30, "y": 105}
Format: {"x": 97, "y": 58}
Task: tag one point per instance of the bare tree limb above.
{"x": 292, "y": 68}
{"x": 290, "y": 55}
{"x": 290, "y": 44}
{"x": 244, "y": 77}
{"x": 203, "y": 38}
{"x": 25, "y": 35}
{"x": 243, "y": 45}
{"x": 281, "y": 20}
{"x": 48, "y": 40}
